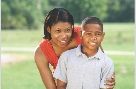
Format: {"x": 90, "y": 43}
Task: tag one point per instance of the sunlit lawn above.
{"x": 118, "y": 36}
{"x": 24, "y": 74}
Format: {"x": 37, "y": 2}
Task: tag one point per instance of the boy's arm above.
{"x": 107, "y": 71}
{"x": 110, "y": 82}
{"x": 61, "y": 84}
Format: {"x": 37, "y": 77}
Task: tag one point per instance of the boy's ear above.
{"x": 48, "y": 29}
{"x": 103, "y": 36}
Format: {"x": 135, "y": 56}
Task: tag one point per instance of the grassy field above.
{"x": 118, "y": 36}
{"x": 24, "y": 74}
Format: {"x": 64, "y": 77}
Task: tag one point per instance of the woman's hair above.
{"x": 91, "y": 20}
{"x": 54, "y": 16}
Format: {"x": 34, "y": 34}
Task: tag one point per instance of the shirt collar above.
{"x": 98, "y": 55}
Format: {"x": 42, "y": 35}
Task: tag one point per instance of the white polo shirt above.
{"x": 81, "y": 72}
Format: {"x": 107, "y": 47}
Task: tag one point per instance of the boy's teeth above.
{"x": 92, "y": 43}
{"x": 63, "y": 41}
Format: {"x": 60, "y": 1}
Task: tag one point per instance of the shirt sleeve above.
{"x": 107, "y": 72}
{"x": 60, "y": 71}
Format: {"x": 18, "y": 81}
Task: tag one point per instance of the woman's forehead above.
{"x": 62, "y": 25}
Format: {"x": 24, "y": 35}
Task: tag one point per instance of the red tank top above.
{"x": 47, "y": 48}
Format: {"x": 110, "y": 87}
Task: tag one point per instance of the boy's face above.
{"x": 92, "y": 36}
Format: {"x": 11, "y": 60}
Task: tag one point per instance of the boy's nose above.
{"x": 94, "y": 37}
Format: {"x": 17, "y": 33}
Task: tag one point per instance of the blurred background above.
{"x": 22, "y": 30}
{"x": 21, "y": 14}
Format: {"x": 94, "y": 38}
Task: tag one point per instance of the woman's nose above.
{"x": 63, "y": 35}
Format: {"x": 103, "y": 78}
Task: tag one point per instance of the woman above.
{"x": 59, "y": 36}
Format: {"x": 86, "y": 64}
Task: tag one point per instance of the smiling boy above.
{"x": 86, "y": 66}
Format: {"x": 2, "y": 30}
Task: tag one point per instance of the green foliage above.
{"x": 29, "y": 14}
{"x": 86, "y": 8}
{"x": 21, "y": 14}
{"x": 120, "y": 11}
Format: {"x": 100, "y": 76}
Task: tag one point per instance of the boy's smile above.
{"x": 92, "y": 36}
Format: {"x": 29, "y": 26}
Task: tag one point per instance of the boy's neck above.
{"x": 89, "y": 52}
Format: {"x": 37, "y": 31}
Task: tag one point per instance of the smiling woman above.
{"x": 62, "y": 32}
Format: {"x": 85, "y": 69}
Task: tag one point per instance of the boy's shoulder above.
{"x": 100, "y": 54}
{"x": 107, "y": 58}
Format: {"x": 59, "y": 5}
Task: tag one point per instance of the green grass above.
{"x": 124, "y": 71}
{"x": 25, "y": 75}
{"x": 119, "y": 36}
{"x": 21, "y": 75}
{"x": 21, "y": 38}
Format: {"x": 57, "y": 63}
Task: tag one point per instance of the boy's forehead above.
{"x": 92, "y": 27}
{"x": 92, "y": 30}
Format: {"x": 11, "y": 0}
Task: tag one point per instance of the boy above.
{"x": 86, "y": 66}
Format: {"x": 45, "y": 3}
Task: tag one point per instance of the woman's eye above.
{"x": 68, "y": 30}
{"x": 58, "y": 31}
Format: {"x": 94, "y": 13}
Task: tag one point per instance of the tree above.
{"x": 20, "y": 14}
{"x": 84, "y": 8}
{"x": 120, "y": 11}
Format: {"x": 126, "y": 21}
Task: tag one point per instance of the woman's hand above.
{"x": 110, "y": 82}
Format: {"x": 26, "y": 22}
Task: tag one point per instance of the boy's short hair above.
{"x": 91, "y": 20}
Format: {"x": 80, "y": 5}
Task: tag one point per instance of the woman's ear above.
{"x": 80, "y": 34}
{"x": 48, "y": 29}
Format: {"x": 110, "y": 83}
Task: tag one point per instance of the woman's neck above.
{"x": 59, "y": 50}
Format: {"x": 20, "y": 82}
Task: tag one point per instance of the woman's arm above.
{"x": 61, "y": 84}
{"x": 110, "y": 82}
{"x": 44, "y": 70}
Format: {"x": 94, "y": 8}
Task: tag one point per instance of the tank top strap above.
{"x": 77, "y": 30}
{"x": 48, "y": 51}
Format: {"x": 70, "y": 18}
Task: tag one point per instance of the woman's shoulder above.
{"x": 44, "y": 41}
{"x": 47, "y": 50}
{"x": 38, "y": 52}
{"x": 77, "y": 32}
{"x": 40, "y": 49}
{"x": 77, "y": 28}
{"x": 39, "y": 55}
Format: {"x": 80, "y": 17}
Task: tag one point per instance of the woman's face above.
{"x": 61, "y": 33}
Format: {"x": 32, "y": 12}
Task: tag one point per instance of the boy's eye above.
{"x": 98, "y": 34}
{"x": 89, "y": 34}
